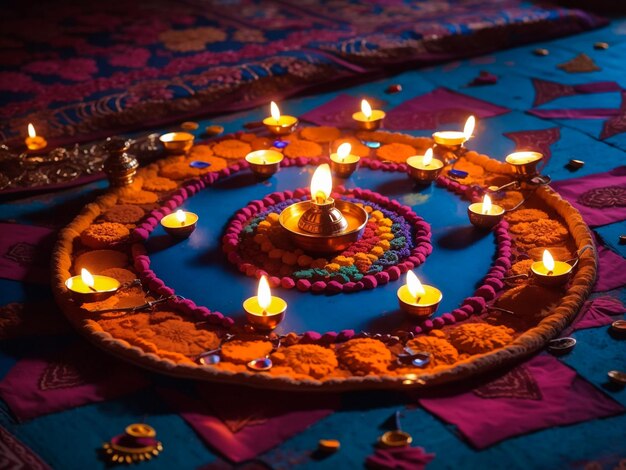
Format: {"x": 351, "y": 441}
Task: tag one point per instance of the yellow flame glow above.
{"x": 31, "y": 130}
{"x": 274, "y": 111}
{"x": 366, "y": 109}
{"x": 428, "y": 157}
{"x": 469, "y": 127}
{"x": 87, "y": 277}
{"x": 264, "y": 294}
{"x": 344, "y": 150}
{"x": 416, "y": 289}
{"x": 180, "y": 216}
{"x": 548, "y": 260}
{"x": 321, "y": 183}
{"x": 486, "y": 204}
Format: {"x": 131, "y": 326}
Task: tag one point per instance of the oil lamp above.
{"x": 34, "y": 142}
{"x": 524, "y": 163}
{"x": 549, "y": 272}
{"x": 418, "y": 299}
{"x": 322, "y": 224}
{"x": 343, "y": 163}
{"x": 177, "y": 143}
{"x": 264, "y": 163}
{"x": 89, "y": 288}
{"x": 424, "y": 169}
{"x": 451, "y": 142}
{"x": 368, "y": 119}
{"x": 180, "y": 224}
{"x": 278, "y": 124}
{"x": 264, "y": 311}
{"x": 485, "y": 214}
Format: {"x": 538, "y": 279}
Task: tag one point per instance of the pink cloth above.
{"x": 338, "y": 111}
{"x": 242, "y": 423}
{"x": 600, "y": 198}
{"x": 546, "y": 91}
{"x": 539, "y": 140}
{"x": 440, "y": 106}
{"x": 539, "y": 394}
{"x": 399, "y": 458}
{"x": 611, "y": 269}
{"x": 25, "y": 252}
{"x": 600, "y": 311}
{"x": 74, "y": 376}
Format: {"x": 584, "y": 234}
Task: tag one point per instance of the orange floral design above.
{"x": 441, "y": 351}
{"x": 321, "y": 134}
{"x": 365, "y": 356}
{"x": 510, "y": 199}
{"x": 200, "y": 151}
{"x": 232, "y": 149}
{"x": 308, "y": 359}
{"x": 139, "y": 197}
{"x": 476, "y": 338}
{"x": 124, "y": 214}
{"x": 540, "y": 232}
{"x": 521, "y": 267}
{"x": 302, "y": 148}
{"x": 191, "y": 39}
{"x": 525, "y": 215}
{"x": 529, "y": 300}
{"x": 179, "y": 336}
{"x": 104, "y": 235}
{"x": 159, "y": 184}
{"x": 242, "y": 352}
{"x": 395, "y": 152}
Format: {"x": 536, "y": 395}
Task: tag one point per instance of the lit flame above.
{"x": 486, "y": 204}
{"x": 548, "y": 260}
{"x": 366, "y": 109}
{"x": 428, "y": 157}
{"x": 87, "y": 278}
{"x": 180, "y": 216}
{"x": 264, "y": 295}
{"x": 414, "y": 285}
{"x": 31, "y": 131}
{"x": 321, "y": 183}
{"x": 274, "y": 111}
{"x": 469, "y": 127}
{"x": 344, "y": 150}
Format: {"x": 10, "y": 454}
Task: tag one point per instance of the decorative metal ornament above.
{"x": 199, "y": 164}
{"x": 260, "y": 365}
{"x": 617, "y": 377}
{"x": 280, "y": 144}
{"x": 371, "y": 144}
{"x": 458, "y": 174}
{"x": 120, "y": 167}
{"x": 137, "y": 444}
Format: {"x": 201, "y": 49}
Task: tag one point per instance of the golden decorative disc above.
{"x": 140, "y": 430}
{"x": 396, "y": 439}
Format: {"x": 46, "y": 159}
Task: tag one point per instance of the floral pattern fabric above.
{"x": 88, "y": 68}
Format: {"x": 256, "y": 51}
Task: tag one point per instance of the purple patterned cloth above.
{"x": 74, "y": 376}
{"x": 600, "y": 311}
{"x": 440, "y": 106}
{"x": 25, "y": 252}
{"x": 541, "y": 393}
{"x": 611, "y": 269}
{"x": 600, "y": 198}
{"x": 399, "y": 458}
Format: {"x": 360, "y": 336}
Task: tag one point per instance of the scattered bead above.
{"x": 329, "y": 445}
{"x": 189, "y": 126}
{"x": 575, "y": 164}
{"x": 601, "y": 45}
{"x": 622, "y": 239}
{"x": 391, "y": 89}
{"x": 617, "y": 377}
{"x": 561, "y": 345}
{"x": 199, "y": 164}
{"x": 260, "y": 365}
{"x": 619, "y": 327}
{"x": 213, "y": 130}
{"x": 541, "y": 52}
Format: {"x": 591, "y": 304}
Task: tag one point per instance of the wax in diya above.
{"x": 278, "y": 124}
{"x": 34, "y": 142}
{"x": 452, "y": 141}
{"x": 323, "y": 224}
{"x": 524, "y": 163}
{"x": 549, "y": 272}
{"x": 177, "y": 143}
{"x": 368, "y": 119}
{"x": 264, "y": 311}
{"x": 264, "y": 163}
{"x": 484, "y": 214}
{"x": 89, "y": 288}
{"x": 343, "y": 163}
{"x": 180, "y": 224}
{"x": 417, "y": 299}
{"x": 424, "y": 169}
